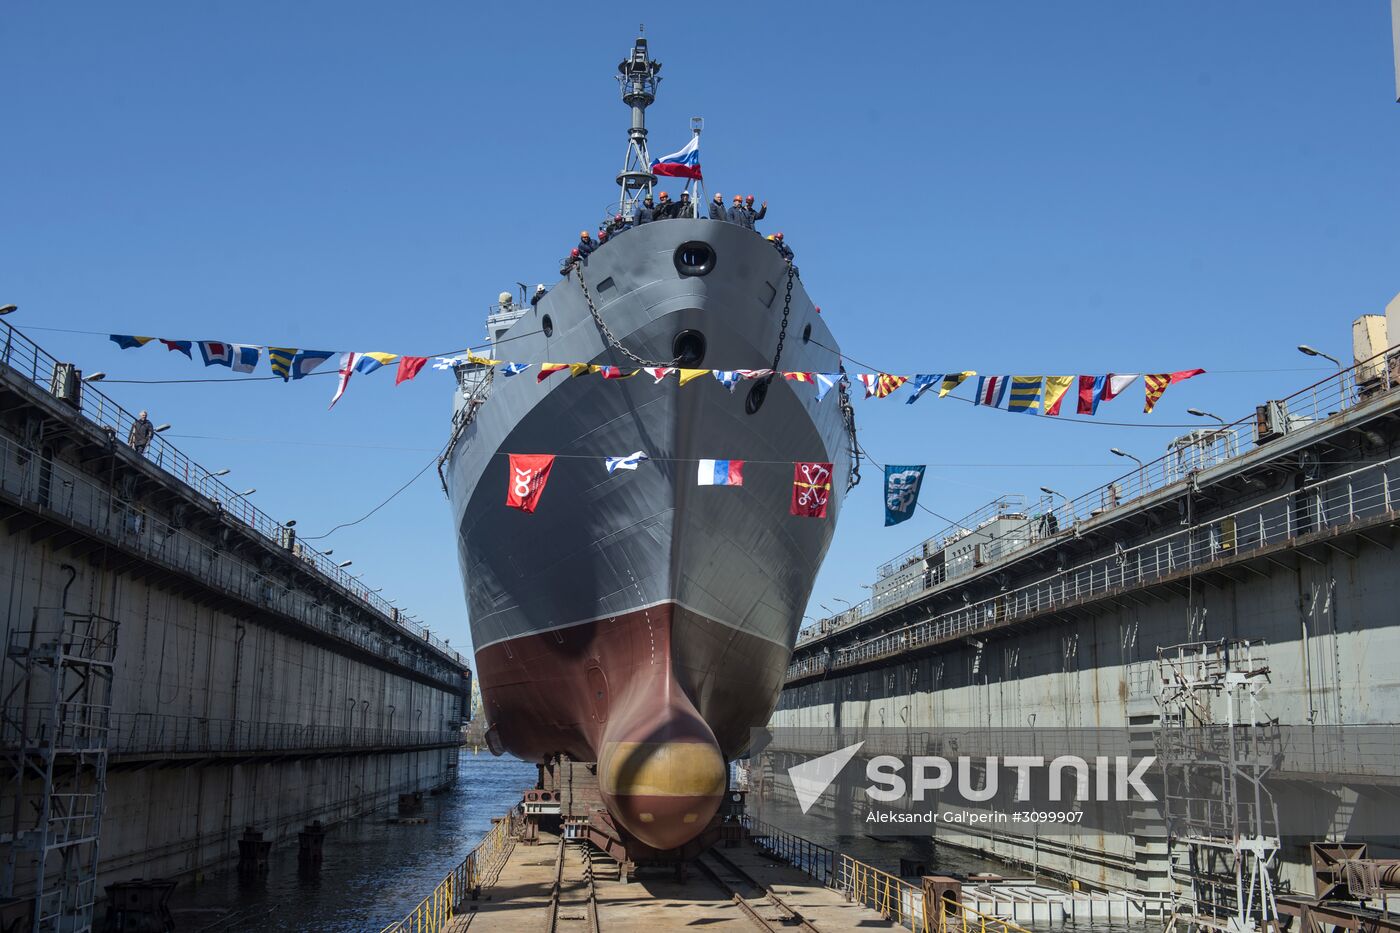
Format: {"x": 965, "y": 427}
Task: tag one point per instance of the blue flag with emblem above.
{"x": 902, "y": 485}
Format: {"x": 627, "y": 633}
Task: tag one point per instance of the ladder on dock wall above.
{"x": 1216, "y": 747}
{"x": 54, "y": 715}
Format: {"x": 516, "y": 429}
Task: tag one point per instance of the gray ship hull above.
{"x": 642, "y": 607}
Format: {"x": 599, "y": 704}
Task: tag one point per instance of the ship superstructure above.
{"x": 641, "y": 620}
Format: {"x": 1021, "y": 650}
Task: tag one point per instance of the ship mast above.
{"x": 637, "y": 77}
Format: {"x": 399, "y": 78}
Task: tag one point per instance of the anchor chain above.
{"x": 848, "y": 417}
{"x": 787, "y": 310}
{"x": 611, "y": 338}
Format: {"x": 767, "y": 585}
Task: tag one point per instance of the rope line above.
{"x": 416, "y": 476}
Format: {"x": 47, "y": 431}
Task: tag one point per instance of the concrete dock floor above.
{"x": 522, "y": 896}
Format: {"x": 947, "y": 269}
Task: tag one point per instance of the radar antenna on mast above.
{"x": 637, "y": 77}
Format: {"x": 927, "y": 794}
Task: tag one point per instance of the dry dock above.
{"x": 749, "y": 882}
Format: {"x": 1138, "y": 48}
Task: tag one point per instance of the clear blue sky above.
{"x": 1001, "y": 186}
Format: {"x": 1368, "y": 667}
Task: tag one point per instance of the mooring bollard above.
{"x": 253, "y": 852}
{"x": 310, "y": 841}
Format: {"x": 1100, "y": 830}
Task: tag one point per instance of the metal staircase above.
{"x": 1216, "y": 747}
{"x": 53, "y": 749}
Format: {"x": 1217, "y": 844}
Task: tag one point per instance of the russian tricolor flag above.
{"x": 683, "y": 164}
{"x": 720, "y": 473}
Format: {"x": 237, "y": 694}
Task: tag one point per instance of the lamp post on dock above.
{"x": 1309, "y": 351}
{"x": 1123, "y": 453}
{"x": 1306, "y": 350}
{"x": 1052, "y": 494}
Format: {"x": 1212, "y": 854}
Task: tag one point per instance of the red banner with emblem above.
{"x": 811, "y": 489}
{"x": 528, "y": 474}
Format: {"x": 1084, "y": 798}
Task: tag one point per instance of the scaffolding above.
{"x": 1215, "y": 748}
{"x": 53, "y": 747}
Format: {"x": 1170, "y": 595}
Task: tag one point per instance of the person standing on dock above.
{"x": 141, "y": 433}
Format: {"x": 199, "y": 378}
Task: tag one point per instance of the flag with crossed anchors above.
{"x": 811, "y": 489}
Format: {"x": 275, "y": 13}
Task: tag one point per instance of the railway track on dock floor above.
{"x": 762, "y": 905}
{"x": 573, "y": 899}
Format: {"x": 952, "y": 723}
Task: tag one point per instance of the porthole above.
{"x": 757, "y": 393}
{"x": 547, "y": 326}
{"x": 807, "y": 334}
{"x": 688, "y": 349}
{"x": 694, "y": 258}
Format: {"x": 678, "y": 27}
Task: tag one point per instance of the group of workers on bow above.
{"x": 741, "y": 212}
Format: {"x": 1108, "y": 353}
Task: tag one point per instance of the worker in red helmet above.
{"x": 736, "y": 211}
{"x": 754, "y": 216}
{"x": 783, "y": 249}
{"x": 573, "y": 259}
{"x": 666, "y": 209}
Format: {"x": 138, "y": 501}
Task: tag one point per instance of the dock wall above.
{"x": 252, "y": 684}
{"x": 1291, "y": 547}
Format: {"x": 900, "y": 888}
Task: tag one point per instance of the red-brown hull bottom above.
{"x": 660, "y": 697}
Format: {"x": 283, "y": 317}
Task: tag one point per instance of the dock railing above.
{"x": 816, "y": 860}
{"x": 435, "y": 911}
{"x": 1365, "y": 494}
{"x": 1187, "y": 455}
{"x": 67, "y": 495}
{"x": 28, "y": 360}
{"x": 907, "y": 904}
{"x": 156, "y": 733}
{"x": 895, "y": 899}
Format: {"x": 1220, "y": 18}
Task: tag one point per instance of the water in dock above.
{"x": 373, "y": 871}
